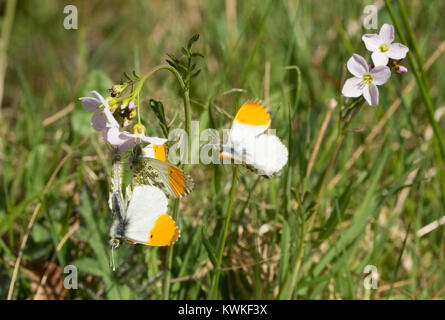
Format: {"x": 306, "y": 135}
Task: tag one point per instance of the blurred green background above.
{"x": 385, "y": 185}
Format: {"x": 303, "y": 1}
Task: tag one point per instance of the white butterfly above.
{"x": 248, "y": 144}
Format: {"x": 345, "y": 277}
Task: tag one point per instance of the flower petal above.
{"x": 372, "y": 41}
{"x": 397, "y": 51}
{"x": 401, "y": 69}
{"x": 380, "y": 75}
{"x": 128, "y": 145}
{"x": 352, "y": 88}
{"x": 387, "y": 33}
{"x": 97, "y": 95}
{"x": 357, "y": 65}
{"x": 106, "y": 110}
{"x": 110, "y": 118}
{"x": 153, "y": 140}
{"x": 371, "y": 94}
{"x": 99, "y": 121}
{"x": 380, "y": 58}
{"x": 118, "y": 138}
{"x": 111, "y": 135}
{"x": 90, "y": 104}
{"x": 131, "y": 105}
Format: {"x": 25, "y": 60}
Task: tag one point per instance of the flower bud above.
{"x": 398, "y": 68}
{"x": 401, "y": 69}
{"x": 112, "y": 103}
{"x": 131, "y": 105}
{"x": 139, "y": 129}
{"x": 117, "y": 89}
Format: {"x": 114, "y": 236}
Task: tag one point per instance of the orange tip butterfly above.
{"x": 145, "y": 220}
{"x": 149, "y": 167}
{"x": 263, "y": 153}
{"x": 142, "y": 217}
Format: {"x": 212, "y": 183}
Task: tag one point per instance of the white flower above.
{"x": 382, "y": 47}
{"x": 365, "y": 81}
{"x": 103, "y": 120}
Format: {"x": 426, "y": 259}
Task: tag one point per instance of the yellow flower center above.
{"x": 384, "y": 47}
{"x": 367, "y": 78}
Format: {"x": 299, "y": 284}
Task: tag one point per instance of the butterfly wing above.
{"x": 146, "y": 221}
{"x": 169, "y": 177}
{"x": 269, "y": 155}
{"x": 251, "y": 120}
{"x": 262, "y": 153}
{"x": 265, "y": 154}
{"x": 149, "y": 168}
{"x": 158, "y": 152}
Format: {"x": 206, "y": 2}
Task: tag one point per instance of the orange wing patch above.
{"x": 160, "y": 153}
{"x": 179, "y": 182}
{"x": 164, "y": 232}
{"x": 254, "y": 114}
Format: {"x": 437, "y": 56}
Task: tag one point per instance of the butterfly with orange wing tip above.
{"x": 142, "y": 217}
{"x": 149, "y": 167}
{"x": 260, "y": 152}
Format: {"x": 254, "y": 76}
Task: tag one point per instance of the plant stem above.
{"x": 7, "y": 23}
{"x": 425, "y": 94}
{"x": 422, "y": 81}
{"x": 293, "y": 282}
{"x": 186, "y": 96}
{"x": 342, "y": 129}
{"x": 169, "y": 258}
{"x": 291, "y": 114}
{"x": 185, "y": 93}
{"x": 214, "y": 288}
{"x": 413, "y": 42}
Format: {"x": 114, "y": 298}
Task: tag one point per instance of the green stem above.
{"x": 425, "y": 94}
{"x": 342, "y": 129}
{"x": 291, "y": 113}
{"x": 186, "y": 97}
{"x": 290, "y": 286}
{"x": 7, "y": 23}
{"x": 169, "y": 258}
{"x": 214, "y": 288}
{"x": 412, "y": 42}
{"x": 422, "y": 81}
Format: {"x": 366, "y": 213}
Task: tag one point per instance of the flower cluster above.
{"x": 367, "y": 77}
{"x": 103, "y": 120}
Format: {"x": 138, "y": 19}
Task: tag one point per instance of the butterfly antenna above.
{"x": 112, "y": 258}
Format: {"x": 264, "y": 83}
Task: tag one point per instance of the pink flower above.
{"x": 398, "y": 68}
{"x": 103, "y": 120}
{"x": 365, "y": 80}
{"x": 382, "y": 47}
{"x": 90, "y": 104}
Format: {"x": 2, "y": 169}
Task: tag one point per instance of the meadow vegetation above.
{"x": 374, "y": 195}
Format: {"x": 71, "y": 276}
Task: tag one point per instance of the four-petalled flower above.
{"x": 103, "y": 120}
{"x": 382, "y": 47}
{"x": 365, "y": 80}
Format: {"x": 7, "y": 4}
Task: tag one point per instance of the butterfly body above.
{"x": 155, "y": 171}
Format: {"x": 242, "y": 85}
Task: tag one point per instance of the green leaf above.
{"x": 89, "y": 266}
{"x": 192, "y": 40}
{"x": 209, "y": 248}
{"x": 360, "y": 219}
{"x": 40, "y": 233}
